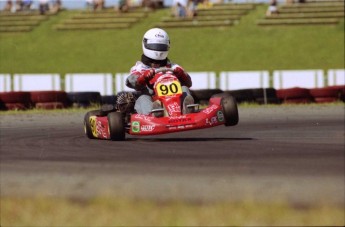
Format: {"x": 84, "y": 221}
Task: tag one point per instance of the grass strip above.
{"x": 19, "y": 23}
{"x": 16, "y": 29}
{"x": 228, "y": 7}
{"x": 194, "y": 24}
{"x": 308, "y": 15}
{"x": 306, "y": 21}
{"x": 311, "y": 10}
{"x": 205, "y": 18}
{"x": 314, "y": 5}
{"x": 91, "y": 26}
{"x": 21, "y": 18}
{"x": 109, "y": 211}
{"x": 222, "y": 12}
{"x": 100, "y": 21}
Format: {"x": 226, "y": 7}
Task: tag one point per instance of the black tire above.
{"x": 268, "y": 101}
{"x": 230, "y": 110}
{"x": 259, "y": 93}
{"x": 84, "y": 99}
{"x": 243, "y": 95}
{"x": 203, "y": 95}
{"x": 221, "y": 95}
{"x": 116, "y": 126}
{"x": 109, "y": 99}
{"x": 87, "y": 125}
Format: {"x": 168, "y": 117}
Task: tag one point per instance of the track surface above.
{"x": 275, "y": 153}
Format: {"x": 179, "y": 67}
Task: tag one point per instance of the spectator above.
{"x": 205, "y": 4}
{"x": 149, "y": 5}
{"x": 192, "y": 8}
{"x": 93, "y": 5}
{"x": 19, "y": 5}
{"x": 123, "y": 6}
{"x": 272, "y": 8}
{"x": 27, "y": 5}
{"x": 44, "y": 6}
{"x": 99, "y": 4}
{"x": 8, "y": 6}
{"x": 179, "y": 8}
{"x": 90, "y": 5}
{"x": 56, "y": 6}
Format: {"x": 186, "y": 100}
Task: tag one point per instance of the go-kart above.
{"x": 172, "y": 115}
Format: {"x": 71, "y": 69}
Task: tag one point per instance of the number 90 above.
{"x": 171, "y": 89}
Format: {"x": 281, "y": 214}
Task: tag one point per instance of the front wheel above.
{"x": 230, "y": 110}
{"x": 116, "y": 126}
{"x": 89, "y": 123}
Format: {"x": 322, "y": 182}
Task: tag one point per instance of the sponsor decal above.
{"x": 220, "y": 116}
{"x": 159, "y": 35}
{"x": 143, "y": 117}
{"x": 97, "y": 128}
{"x": 147, "y": 128}
{"x": 136, "y": 126}
{"x": 101, "y": 129}
{"x": 180, "y": 127}
{"x": 211, "y": 121}
{"x": 179, "y": 119}
{"x": 210, "y": 109}
{"x": 173, "y": 108}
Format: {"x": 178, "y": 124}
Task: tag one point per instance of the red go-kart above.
{"x": 173, "y": 115}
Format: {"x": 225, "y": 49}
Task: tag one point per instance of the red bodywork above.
{"x": 168, "y": 92}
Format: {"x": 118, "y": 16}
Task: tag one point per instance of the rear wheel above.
{"x": 116, "y": 126}
{"x": 88, "y": 126}
{"x": 230, "y": 110}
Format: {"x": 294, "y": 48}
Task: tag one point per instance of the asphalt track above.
{"x": 289, "y": 153}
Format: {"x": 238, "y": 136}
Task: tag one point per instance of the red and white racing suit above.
{"x": 135, "y": 80}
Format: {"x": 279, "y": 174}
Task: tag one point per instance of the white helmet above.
{"x": 156, "y": 44}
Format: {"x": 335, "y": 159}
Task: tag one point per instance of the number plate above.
{"x": 169, "y": 89}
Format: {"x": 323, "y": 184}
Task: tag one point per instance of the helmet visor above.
{"x": 156, "y": 46}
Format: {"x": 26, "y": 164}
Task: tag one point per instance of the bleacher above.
{"x": 215, "y": 15}
{"x": 314, "y": 12}
{"x": 23, "y": 21}
{"x": 105, "y": 19}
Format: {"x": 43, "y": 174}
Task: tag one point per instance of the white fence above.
{"x": 103, "y": 83}
{"x": 36, "y": 82}
{"x": 120, "y": 81}
{"x": 336, "y": 77}
{"x": 5, "y": 82}
{"x": 203, "y": 80}
{"x": 107, "y": 83}
{"x": 298, "y": 78}
{"x": 244, "y": 79}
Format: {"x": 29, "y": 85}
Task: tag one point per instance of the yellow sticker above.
{"x": 170, "y": 89}
{"x": 93, "y": 127}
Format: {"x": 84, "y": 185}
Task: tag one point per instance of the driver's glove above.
{"x": 146, "y": 76}
{"x": 182, "y": 76}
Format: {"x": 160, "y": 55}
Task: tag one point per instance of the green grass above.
{"x": 110, "y": 211}
{"x": 244, "y": 46}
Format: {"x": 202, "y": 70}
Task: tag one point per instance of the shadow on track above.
{"x": 186, "y": 139}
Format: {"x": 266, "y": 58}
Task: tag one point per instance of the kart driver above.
{"x": 155, "y": 46}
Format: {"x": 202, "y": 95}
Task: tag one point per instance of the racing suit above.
{"x": 138, "y": 81}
